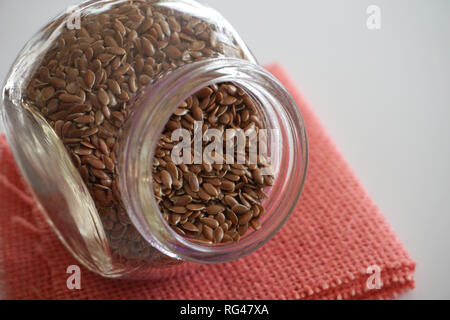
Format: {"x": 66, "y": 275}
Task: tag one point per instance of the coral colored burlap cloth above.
{"x": 323, "y": 252}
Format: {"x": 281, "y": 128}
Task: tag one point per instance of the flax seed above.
{"x": 196, "y": 207}
{"x": 215, "y": 209}
{"x": 69, "y": 98}
{"x": 256, "y": 224}
{"x": 203, "y": 195}
{"x": 245, "y": 219}
{"x": 184, "y": 201}
{"x": 179, "y": 210}
{"x": 166, "y": 179}
{"x": 212, "y": 223}
{"x": 208, "y": 232}
{"x": 193, "y": 183}
{"x": 220, "y": 218}
{"x": 103, "y": 97}
{"x": 218, "y": 235}
{"x": 97, "y": 164}
{"x": 210, "y": 189}
{"x": 240, "y": 209}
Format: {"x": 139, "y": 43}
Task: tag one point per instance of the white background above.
{"x": 384, "y": 96}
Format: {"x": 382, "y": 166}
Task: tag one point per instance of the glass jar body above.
{"x": 83, "y": 105}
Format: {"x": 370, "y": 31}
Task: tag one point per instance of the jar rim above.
{"x": 146, "y": 122}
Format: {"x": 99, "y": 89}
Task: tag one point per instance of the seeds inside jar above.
{"x": 218, "y": 193}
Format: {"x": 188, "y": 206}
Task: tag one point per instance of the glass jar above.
{"x": 101, "y": 82}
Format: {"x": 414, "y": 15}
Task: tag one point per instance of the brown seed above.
{"x": 97, "y": 164}
{"x": 218, "y": 235}
{"x": 175, "y": 219}
{"x": 85, "y": 119}
{"x": 204, "y": 93}
{"x": 44, "y": 74}
{"x": 179, "y": 210}
{"x": 178, "y": 230}
{"x": 242, "y": 230}
{"x": 225, "y": 118}
{"x": 90, "y": 132}
{"x": 196, "y": 207}
{"x": 173, "y": 52}
{"x": 83, "y": 151}
{"x": 144, "y": 79}
{"x": 103, "y": 97}
{"x": 209, "y": 188}
{"x": 203, "y": 195}
{"x": 172, "y": 168}
{"x": 118, "y": 116}
{"x": 228, "y": 186}
{"x": 84, "y": 172}
{"x": 47, "y": 93}
{"x": 240, "y": 209}
{"x": 99, "y": 118}
{"x": 106, "y": 112}
{"x": 190, "y": 227}
{"x": 193, "y": 182}
{"x": 232, "y": 217}
{"x": 257, "y": 176}
{"x": 227, "y": 238}
{"x": 207, "y": 167}
{"x": 165, "y": 27}
{"x": 173, "y": 24}
{"x": 57, "y": 83}
{"x": 232, "y": 177}
{"x": 99, "y": 174}
{"x": 256, "y": 224}
{"x": 221, "y": 218}
{"x": 238, "y": 172}
{"x": 197, "y": 45}
{"x": 109, "y": 41}
{"x": 245, "y": 219}
{"x": 103, "y": 147}
{"x": 70, "y": 98}
{"x": 173, "y": 125}
{"x": 105, "y": 59}
{"x": 149, "y": 50}
{"x": 184, "y": 201}
{"x": 73, "y": 88}
{"x": 114, "y": 86}
{"x": 228, "y": 101}
{"x": 181, "y": 112}
{"x": 58, "y": 127}
{"x": 197, "y": 113}
{"x": 230, "y": 201}
{"x": 166, "y": 179}
{"x": 208, "y": 232}
{"x": 225, "y": 227}
{"x": 269, "y": 180}
{"x": 119, "y": 27}
{"x": 215, "y": 209}
{"x": 117, "y": 51}
{"x": 109, "y": 163}
{"x": 132, "y": 84}
{"x": 212, "y": 223}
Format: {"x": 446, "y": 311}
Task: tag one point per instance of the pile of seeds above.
{"x": 212, "y": 203}
{"x": 84, "y": 88}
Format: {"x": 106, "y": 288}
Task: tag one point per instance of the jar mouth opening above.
{"x": 164, "y": 97}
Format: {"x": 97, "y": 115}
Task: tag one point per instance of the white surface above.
{"x": 383, "y": 95}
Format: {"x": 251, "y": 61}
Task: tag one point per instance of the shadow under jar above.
{"x": 88, "y": 106}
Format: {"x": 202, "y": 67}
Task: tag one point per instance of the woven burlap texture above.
{"x": 323, "y": 252}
